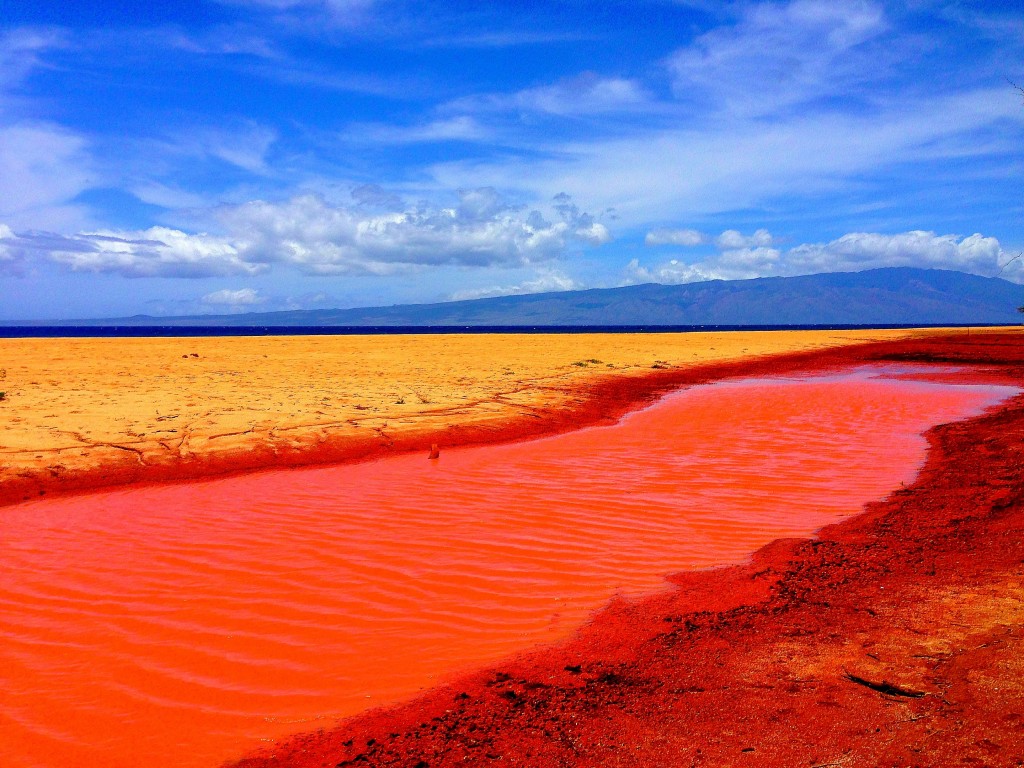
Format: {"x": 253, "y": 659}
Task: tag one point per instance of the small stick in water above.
{"x": 434, "y": 453}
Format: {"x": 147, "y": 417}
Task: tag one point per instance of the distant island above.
{"x": 891, "y": 296}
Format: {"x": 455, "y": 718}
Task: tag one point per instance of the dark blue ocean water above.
{"x": 110, "y": 331}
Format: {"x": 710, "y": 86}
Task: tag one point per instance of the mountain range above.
{"x": 891, "y": 296}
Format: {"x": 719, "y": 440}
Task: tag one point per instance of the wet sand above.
{"x": 894, "y": 638}
{"x": 237, "y": 611}
{"x": 91, "y": 413}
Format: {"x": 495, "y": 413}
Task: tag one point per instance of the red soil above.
{"x": 892, "y": 639}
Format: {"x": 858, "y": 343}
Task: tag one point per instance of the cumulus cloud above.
{"x": 375, "y": 196}
{"x": 581, "y": 224}
{"x": 317, "y": 238}
{"x": 862, "y": 250}
{"x": 544, "y": 282}
{"x": 481, "y": 230}
{"x": 684, "y": 237}
{"x": 732, "y": 238}
{"x": 240, "y": 298}
{"x": 852, "y": 252}
{"x": 670, "y": 272}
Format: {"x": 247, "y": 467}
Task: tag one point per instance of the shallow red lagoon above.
{"x": 181, "y": 625}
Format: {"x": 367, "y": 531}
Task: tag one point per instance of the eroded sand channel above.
{"x": 215, "y": 614}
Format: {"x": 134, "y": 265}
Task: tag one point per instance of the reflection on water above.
{"x": 188, "y": 622}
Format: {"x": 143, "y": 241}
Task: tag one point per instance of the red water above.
{"x": 183, "y": 625}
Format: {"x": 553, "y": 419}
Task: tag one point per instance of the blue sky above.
{"x": 256, "y": 155}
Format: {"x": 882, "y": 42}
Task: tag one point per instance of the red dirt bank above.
{"x": 893, "y": 639}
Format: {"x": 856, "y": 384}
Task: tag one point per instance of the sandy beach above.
{"x": 890, "y": 634}
{"x": 90, "y": 413}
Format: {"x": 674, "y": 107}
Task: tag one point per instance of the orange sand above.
{"x": 82, "y": 413}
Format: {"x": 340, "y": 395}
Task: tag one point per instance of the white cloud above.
{"x": 585, "y": 94}
{"x": 244, "y": 145}
{"x": 545, "y": 282}
{"x": 505, "y": 39}
{"x": 315, "y": 300}
{"x": 460, "y": 128}
{"x": 684, "y": 237}
{"x": 42, "y": 167}
{"x": 20, "y": 50}
{"x": 670, "y": 272}
{"x": 246, "y": 149}
{"x": 852, "y": 252}
{"x": 862, "y": 250}
{"x": 333, "y": 6}
{"x": 312, "y": 16}
{"x": 582, "y": 225}
{"x": 317, "y": 238}
{"x": 155, "y": 193}
{"x": 155, "y": 252}
{"x": 6, "y": 253}
{"x": 220, "y": 41}
{"x": 732, "y": 238}
{"x": 375, "y": 196}
{"x": 781, "y": 55}
{"x": 794, "y": 100}
{"x": 240, "y": 298}
{"x": 665, "y": 174}
{"x": 482, "y": 230}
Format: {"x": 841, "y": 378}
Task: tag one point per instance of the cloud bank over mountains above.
{"x": 742, "y": 257}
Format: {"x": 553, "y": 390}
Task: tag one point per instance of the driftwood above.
{"x": 884, "y": 686}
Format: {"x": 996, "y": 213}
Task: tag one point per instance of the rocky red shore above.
{"x": 894, "y": 638}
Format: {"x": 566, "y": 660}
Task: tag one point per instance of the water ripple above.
{"x": 230, "y": 611}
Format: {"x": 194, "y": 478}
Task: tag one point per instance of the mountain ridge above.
{"x": 892, "y": 295}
